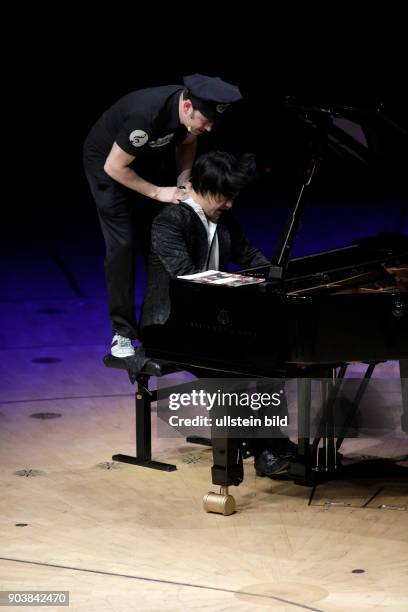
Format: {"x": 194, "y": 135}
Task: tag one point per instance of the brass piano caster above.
{"x": 220, "y": 503}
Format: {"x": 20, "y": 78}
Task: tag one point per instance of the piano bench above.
{"x": 144, "y": 397}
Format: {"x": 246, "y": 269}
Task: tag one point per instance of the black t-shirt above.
{"x": 143, "y": 123}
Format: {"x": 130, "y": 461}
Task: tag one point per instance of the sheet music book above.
{"x": 226, "y": 279}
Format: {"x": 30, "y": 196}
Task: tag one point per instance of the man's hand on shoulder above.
{"x": 186, "y": 186}
{"x": 170, "y": 195}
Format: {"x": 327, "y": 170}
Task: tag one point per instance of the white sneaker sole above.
{"x": 122, "y": 353}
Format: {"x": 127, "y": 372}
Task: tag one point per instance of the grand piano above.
{"x": 309, "y": 318}
{"x": 349, "y": 305}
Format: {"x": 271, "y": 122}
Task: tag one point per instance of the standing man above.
{"x": 126, "y": 157}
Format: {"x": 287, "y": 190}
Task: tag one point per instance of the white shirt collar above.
{"x": 211, "y": 229}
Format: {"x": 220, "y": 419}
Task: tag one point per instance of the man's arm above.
{"x": 117, "y": 167}
{"x": 185, "y": 154}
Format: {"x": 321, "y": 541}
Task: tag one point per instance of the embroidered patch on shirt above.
{"x": 138, "y": 138}
{"x": 161, "y": 142}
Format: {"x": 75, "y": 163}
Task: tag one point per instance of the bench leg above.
{"x": 143, "y": 401}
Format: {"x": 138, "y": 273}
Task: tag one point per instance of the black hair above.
{"x": 220, "y": 173}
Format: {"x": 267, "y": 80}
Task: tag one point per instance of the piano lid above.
{"x": 366, "y": 131}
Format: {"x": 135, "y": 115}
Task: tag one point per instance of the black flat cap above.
{"x": 211, "y": 95}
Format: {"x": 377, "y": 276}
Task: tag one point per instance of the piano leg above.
{"x": 227, "y": 470}
{"x": 404, "y": 392}
{"x": 228, "y": 467}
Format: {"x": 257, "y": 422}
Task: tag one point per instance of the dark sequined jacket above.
{"x": 180, "y": 246}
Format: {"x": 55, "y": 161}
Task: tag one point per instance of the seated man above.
{"x": 201, "y": 234}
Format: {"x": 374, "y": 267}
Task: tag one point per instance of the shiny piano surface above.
{"x": 345, "y": 305}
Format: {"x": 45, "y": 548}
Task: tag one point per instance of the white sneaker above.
{"x": 122, "y": 347}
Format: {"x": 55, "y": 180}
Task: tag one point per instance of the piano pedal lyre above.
{"x": 220, "y": 503}
{"x": 326, "y": 459}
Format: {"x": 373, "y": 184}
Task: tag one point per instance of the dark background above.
{"x": 70, "y": 71}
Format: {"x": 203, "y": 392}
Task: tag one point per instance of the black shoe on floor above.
{"x": 267, "y": 463}
{"x": 284, "y": 447}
